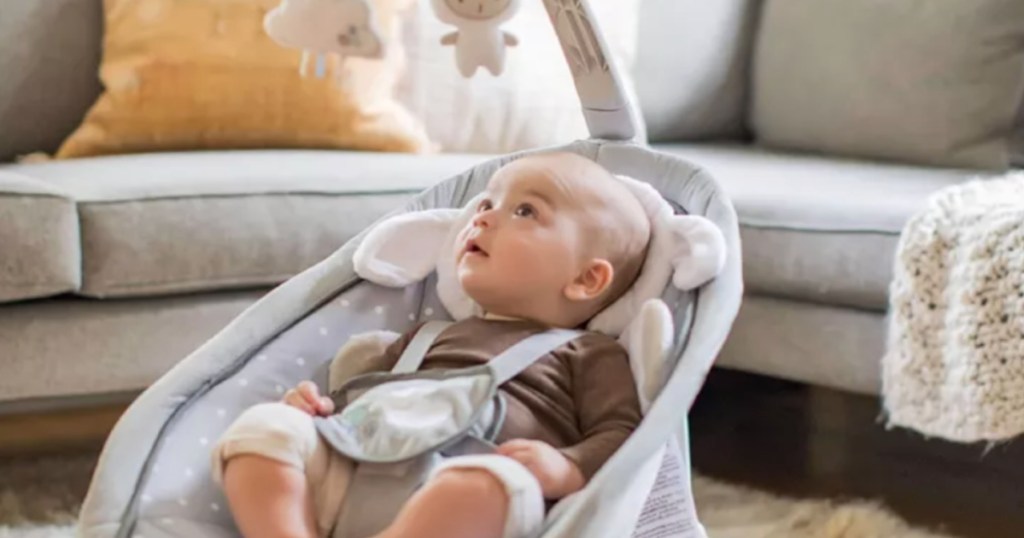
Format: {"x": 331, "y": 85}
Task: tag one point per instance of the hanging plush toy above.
{"x": 479, "y": 40}
{"x": 322, "y": 27}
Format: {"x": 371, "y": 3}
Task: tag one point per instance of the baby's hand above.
{"x": 557, "y": 474}
{"x": 306, "y": 396}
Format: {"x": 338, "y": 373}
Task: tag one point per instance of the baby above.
{"x": 555, "y": 239}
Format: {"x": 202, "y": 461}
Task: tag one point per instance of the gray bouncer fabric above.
{"x": 153, "y": 477}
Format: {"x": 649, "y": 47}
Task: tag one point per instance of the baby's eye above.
{"x": 525, "y": 210}
{"x": 485, "y": 205}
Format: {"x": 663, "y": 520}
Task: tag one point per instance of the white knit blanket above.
{"x": 954, "y": 366}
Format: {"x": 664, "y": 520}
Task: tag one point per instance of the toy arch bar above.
{"x": 606, "y": 106}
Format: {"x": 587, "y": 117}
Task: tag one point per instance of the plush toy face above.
{"x": 325, "y": 26}
{"x": 478, "y": 9}
{"x": 359, "y": 37}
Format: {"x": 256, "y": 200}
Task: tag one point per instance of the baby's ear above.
{"x": 594, "y": 280}
{"x": 698, "y": 250}
{"x": 405, "y": 248}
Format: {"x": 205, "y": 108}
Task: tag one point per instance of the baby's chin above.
{"x": 470, "y": 283}
{"x": 477, "y": 288}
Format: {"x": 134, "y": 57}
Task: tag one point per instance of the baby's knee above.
{"x": 499, "y": 486}
{"x": 478, "y": 485}
{"x": 272, "y": 430}
{"x": 275, "y": 424}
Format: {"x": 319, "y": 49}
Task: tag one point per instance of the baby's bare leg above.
{"x": 269, "y": 499}
{"x": 457, "y": 503}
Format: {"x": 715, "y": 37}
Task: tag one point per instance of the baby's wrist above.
{"x": 575, "y": 479}
{"x": 572, "y": 479}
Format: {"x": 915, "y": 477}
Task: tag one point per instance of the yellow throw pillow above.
{"x": 202, "y": 74}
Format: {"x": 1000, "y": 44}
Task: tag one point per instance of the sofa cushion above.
{"x": 813, "y": 229}
{"x": 692, "y": 67}
{"x": 39, "y": 252}
{"x": 206, "y": 75}
{"x": 818, "y": 344}
{"x": 818, "y": 229}
{"x": 49, "y": 56}
{"x": 173, "y": 223}
{"x": 936, "y": 82}
{"x": 71, "y": 348}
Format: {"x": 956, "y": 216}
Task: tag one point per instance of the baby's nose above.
{"x": 483, "y": 219}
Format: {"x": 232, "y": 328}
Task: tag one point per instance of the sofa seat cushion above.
{"x": 75, "y": 351}
{"x": 819, "y": 229}
{"x": 184, "y": 222}
{"x": 39, "y": 252}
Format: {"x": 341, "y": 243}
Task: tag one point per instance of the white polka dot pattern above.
{"x": 185, "y": 492}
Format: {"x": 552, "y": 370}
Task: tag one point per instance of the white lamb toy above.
{"x": 321, "y": 27}
{"x": 479, "y": 40}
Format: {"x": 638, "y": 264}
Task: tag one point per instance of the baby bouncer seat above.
{"x": 153, "y": 478}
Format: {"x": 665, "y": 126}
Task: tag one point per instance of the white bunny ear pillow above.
{"x": 686, "y": 250}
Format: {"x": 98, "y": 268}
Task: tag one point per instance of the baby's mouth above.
{"x": 473, "y": 248}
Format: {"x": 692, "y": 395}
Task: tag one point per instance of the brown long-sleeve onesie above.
{"x": 580, "y": 398}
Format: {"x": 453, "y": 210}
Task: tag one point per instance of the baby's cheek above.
{"x": 540, "y": 265}
{"x": 528, "y": 253}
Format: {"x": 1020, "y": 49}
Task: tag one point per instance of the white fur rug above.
{"x": 39, "y": 499}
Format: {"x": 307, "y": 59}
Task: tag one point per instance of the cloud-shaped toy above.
{"x": 321, "y": 27}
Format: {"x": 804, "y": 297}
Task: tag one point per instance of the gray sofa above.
{"x": 114, "y": 268}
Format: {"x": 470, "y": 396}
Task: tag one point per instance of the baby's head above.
{"x": 555, "y": 239}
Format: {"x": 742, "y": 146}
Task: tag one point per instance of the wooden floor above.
{"x": 48, "y": 433}
{"x": 792, "y": 439}
{"x": 783, "y": 437}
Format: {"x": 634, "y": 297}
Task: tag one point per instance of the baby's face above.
{"x": 478, "y": 9}
{"x": 523, "y": 245}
